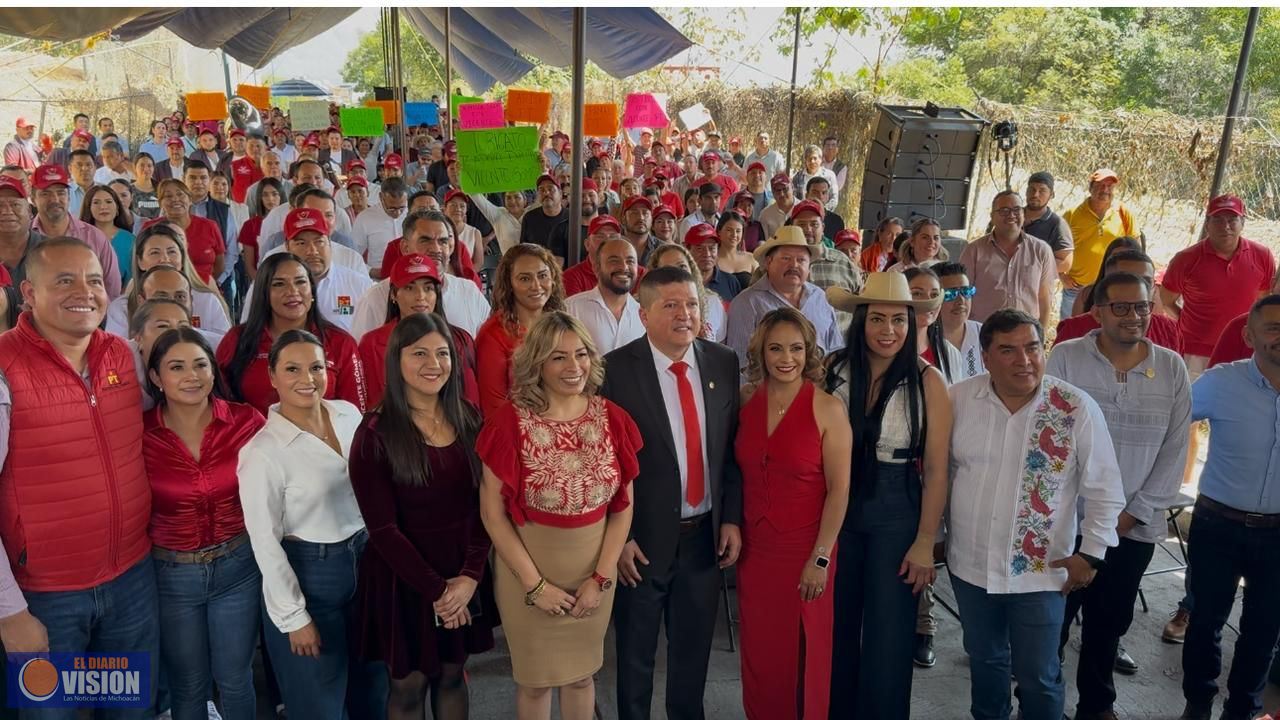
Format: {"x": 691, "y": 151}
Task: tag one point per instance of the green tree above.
{"x": 423, "y": 67}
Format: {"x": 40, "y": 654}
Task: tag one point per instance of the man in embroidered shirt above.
{"x": 1030, "y": 446}
{"x": 1145, "y": 394}
{"x": 1236, "y": 524}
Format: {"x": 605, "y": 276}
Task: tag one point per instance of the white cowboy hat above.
{"x": 881, "y": 288}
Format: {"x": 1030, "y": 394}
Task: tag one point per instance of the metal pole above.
{"x": 795, "y": 66}
{"x": 579, "y": 97}
{"x": 397, "y": 92}
{"x": 226, "y": 72}
{"x": 446, "y": 121}
{"x": 1233, "y": 105}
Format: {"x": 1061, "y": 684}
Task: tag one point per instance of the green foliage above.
{"x": 423, "y": 67}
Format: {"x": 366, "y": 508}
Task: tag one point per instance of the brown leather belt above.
{"x": 203, "y": 556}
{"x": 1249, "y": 520}
{"x": 695, "y": 521}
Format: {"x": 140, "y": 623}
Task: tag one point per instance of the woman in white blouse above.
{"x": 305, "y": 527}
{"x": 505, "y": 219}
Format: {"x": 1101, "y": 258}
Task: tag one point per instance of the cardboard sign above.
{"x": 498, "y": 160}
{"x": 456, "y": 100}
{"x": 362, "y": 122}
{"x": 206, "y": 106}
{"x": 421, "y": 113}
{"x": 600, "y": 119}
{"x": 644, "y": 110}
{"x": 258, "y": 95}
{"x": 307, "y": 115}
{"x": 481, "y": 116}
{"x": 528, "y": 106}
{"x": 390, "y": 110}
{"x": 695, "y": 117}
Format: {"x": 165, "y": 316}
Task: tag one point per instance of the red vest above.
{"x": 74, "y": 497}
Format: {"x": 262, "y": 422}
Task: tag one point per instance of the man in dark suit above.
{"x": 682, "y": 393}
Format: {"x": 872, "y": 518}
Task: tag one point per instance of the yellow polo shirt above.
{"x": 1092, "y": 236}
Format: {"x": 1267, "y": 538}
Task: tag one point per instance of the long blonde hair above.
{"x": 167, "y": 229}
{"x": 541, "y": 341}
{"x": 705, "y": 296}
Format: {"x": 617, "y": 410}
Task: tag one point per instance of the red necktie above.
{"x": 694, "y": 488}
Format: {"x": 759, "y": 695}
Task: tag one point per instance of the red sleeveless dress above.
{"x": 783, "y": 491}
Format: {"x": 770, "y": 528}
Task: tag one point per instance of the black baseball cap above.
{"x": 1041, "y": 177}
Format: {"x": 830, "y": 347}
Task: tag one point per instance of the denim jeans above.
{"x": 1068, "y": 299}
{"x": 119, "y": 615}
{"x": 1223, "y": 552}
{"x": 875, "y": 612}
{"x": 1015, "y": 632}
{"x": 209, "y": 615}
{"x": 319, "y": 688}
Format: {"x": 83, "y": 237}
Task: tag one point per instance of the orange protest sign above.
{"x": 528, "y": 106}
{"x": 600, "y": 119}
{"x": 258, "y": 95}
{"x": 206, "y": 106}
{"x": 390, "y": 110}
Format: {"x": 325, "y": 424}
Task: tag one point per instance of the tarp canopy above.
{"x": 621, "y": 41}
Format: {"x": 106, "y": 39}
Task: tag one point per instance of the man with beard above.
{"x": 637, "y": 223}
{"x": 608, "y": 311}
{"x": 537, "y": 223}
{"x": 1094, "y": 223}
{"x": 582, "y": 277}
{"x": 558, "y": 243}
{"x": 1145, "y": 394}
{"x": 1010, "y": 268}
{"x": 51, "y": 184}
{"x": 22, "y": 151}
{"x": 1040, "y": 221}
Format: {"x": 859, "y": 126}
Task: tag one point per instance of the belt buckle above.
{"x": 204, "y": 557}
{"x": 1255, "y": 520}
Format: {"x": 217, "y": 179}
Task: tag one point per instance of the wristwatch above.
{"x": 1093, "y": 561}
{"x": 604, "y": 582}
{"x": 821, "y": 559}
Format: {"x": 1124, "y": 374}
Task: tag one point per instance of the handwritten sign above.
{"x": 695, "y": 117}
{"x": 421, "y": 113}
{"x": 390, "y": 110}
{"x": 644, "y": 110}
{"x": 258, "y": 95}
{"x": 600, "y": 119}
{"x": 498, "y": 160}
{"x": 206, "y": 106}
{"x": 456, "y": 100}
{"x": 528, "y": 106}
{"x": 481, "y": 116}
{"x": 309, "y": 115}
{"x": 362, "y": 122}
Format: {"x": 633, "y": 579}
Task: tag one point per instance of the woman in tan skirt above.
{"x": 558, "y": 460}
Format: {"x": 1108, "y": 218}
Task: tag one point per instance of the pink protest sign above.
{"x": 481, "y": 116}
{"x": 643, "y": 110}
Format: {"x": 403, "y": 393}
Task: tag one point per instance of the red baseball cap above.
{"x": 780, "y": 180}
{"x": 413, "y": 267}
{"x": 848, "y": 235}
{"x": 663, "y": 209}
{"x": 83, "y": 135}
{"x": 645, "y": 130}
{"x": 743, "y": 196}
{"x": 757, "y": 166}
{"x": 393, "y": 160}
{"x": 589, "y": 184}
{"x": 22, "y": 122}
{"x": 358, "y": 180}
{"x": 333, "y": 129}
{"x": 709, "y": 155}
{"x": 806, "y": 206}
{"x": 635, "y": 200}
{"x": 48, "y": 175}
{"x": 279, "y": 131}
{"x": 602, "y": 221}
{"x": 597, "y": 143}
{"x": 660, "y": 176}
{"x": 237, "y": 132}
{"x": 700, "y": 234}
{"x": 455, "y": 194}
{"x": 1104, "y": 175}
{"x": 304, "y": 220}
{"x": 735, "y": 140}
{"x": 545, "y": 178}
{"x": 1224, "y": 204}
{"x": 176, "y": 141}
{"x": 14, "y": 184}
{"x": 312, "y": 140}
{"x": 208, "y": 131}
{"x": 357, "y": 162}
{"x": 650, "y": 161}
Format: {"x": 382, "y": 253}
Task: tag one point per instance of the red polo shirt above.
{"x": 244, "y": 173}
{"x": 1163, "y": 330}
{"x": 465, "y": 268}
{"x": 1214, "y": 290}
{"x": 579, "y": 278}
{"x": 204, "y": 244}
{"x": 1231, "y": 345}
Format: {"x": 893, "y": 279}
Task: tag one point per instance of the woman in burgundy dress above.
{"x": 423, "y": 597}
{"x": 795, "y": 447}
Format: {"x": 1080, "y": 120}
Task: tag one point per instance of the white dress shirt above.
{"x": 675, "y": 416}
{"x": 373, "y": 231}
{"x": 207, "y": 313}
{"x": 610, "y": 333}
{"x": 337, "y": 293}
{"x": 970, "y": 352}
{"x": 505, "y": 225}
{"x": 292, "y": 484}
{"x": 1015, "y": 479}
{"x": 464, "y": 306}
{"x": 717, "y": 317}
{"x": 104, "y": 175}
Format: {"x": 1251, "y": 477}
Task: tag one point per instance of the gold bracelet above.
{"x": 532, "y": 596}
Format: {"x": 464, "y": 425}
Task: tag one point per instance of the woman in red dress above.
{"x": 205, "y": 244}
{"x": 527, "y": 283}
{"x": 794, "y": 446}
{"x": 423, "y": 600}
{"x": 415, "y": 290}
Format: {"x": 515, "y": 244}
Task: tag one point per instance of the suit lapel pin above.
{"x": 712, "y": 385}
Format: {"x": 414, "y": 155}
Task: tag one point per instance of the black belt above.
{"x": 200, "y": 557}
{"x": 693, "y": 522}
{"x": 1249, "y": 520}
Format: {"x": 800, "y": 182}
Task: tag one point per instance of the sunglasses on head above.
{"x": 967, "y": 291}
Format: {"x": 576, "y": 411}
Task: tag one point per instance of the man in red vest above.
{"x": 74, "y": 497}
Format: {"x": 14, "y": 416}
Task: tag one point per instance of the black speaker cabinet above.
{"x": 920, "y": 166}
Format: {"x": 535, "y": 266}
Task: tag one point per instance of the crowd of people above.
{"x": 305, "y": 393}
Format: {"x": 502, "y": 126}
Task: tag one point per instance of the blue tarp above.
{"x": 254, "y": 36}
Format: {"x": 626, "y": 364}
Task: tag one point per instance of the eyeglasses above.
{"x": 1009, "y": 212}
{"x": 967, "y": 292}
{"x": 1121, "y": 309}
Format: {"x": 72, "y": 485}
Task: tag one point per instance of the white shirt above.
{"x": 970, "y": 352}
{"x": 336, "y": 293}
{"x": 675, "y": 416}
{"x": 104, "y": 175}
{"x": 464, "y": 306}
{"x": 287, "y": 154}
{"x": 373, "y": 231}
{"x": 505, "y": 225}
{"x": 339, "y": 256}
{"x": 468, "y": 237}
{"x": 293, "y": 484}
{"x": 717, "y": 317}
{"x": 693, "y": 219}
{"x": 1015, "y": 479}
{"x": 610, "y": 333}
{"x": 207, "y": 313}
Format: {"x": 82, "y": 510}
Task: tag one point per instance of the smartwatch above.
{"x": 822, "y": 561}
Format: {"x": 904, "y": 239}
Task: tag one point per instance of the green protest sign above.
{"x": 498, "y": 160}
{"x": 456, "y": 100}
{"x": 362, "y": 122}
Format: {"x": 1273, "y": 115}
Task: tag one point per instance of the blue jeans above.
{"x": 319, "y": 688}
{"x": 1223, "y": 552}
{"x": 116, "y": 616}
{"x": 209, "y": 615}
{"x": 875, "y": 612}
{"x": 1068, "y": 299}
{"x": 1015, "y": 632}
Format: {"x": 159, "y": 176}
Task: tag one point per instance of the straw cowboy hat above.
{"x": 786, "y": 236}
{"x": 881, "y": 288}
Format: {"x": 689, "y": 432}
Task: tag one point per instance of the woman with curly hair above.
{"x": 794, "y": 446}
{"x": 527, "y": 283}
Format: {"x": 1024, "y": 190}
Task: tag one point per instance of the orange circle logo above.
{"x": 38, "y": 679}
